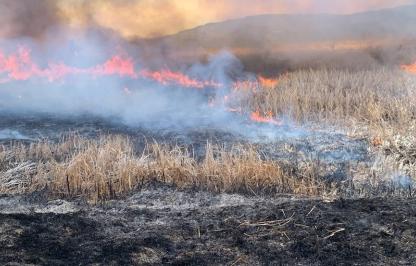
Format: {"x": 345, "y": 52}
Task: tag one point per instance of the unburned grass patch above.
{"x": 110, "y": 167}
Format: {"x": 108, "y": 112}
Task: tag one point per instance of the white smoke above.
{"x": 137, "y": 102}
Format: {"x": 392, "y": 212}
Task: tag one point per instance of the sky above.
{"x": 153, "y": 18}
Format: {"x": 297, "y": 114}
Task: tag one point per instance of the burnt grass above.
{"x": 165, "y": 226}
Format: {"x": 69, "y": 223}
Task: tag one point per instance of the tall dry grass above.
{"x": 109, "y": 168}
{"x": 377, "y": 103}
{"x": 383, "y": 99}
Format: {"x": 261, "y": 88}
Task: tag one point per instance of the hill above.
{"x": 384, "y": 36}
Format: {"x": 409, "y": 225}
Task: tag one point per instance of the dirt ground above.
{"x": 161, "y": 225}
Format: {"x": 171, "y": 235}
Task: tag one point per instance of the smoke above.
{"x": 28, "y": 18}
{"x": 83, "y": 61}
{"x": 277, "y": 43}
{"x": 402, "y": 181}
{"x": 82, "y": 76}
{"x": 148, "y": 18}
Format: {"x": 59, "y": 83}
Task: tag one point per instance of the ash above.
{"x": 160, "y": 225}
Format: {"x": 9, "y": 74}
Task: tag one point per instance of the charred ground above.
{"x": 163, "y": 225}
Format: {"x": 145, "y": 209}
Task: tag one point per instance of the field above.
{"x": 344, "y": 186}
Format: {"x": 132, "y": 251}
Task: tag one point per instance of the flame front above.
{"x": 267, "y": 119}
{"x": 409, "y": 68}
{"x": 268, "y": 82}
{"x": 19, "y": 66}
{"x": 168, "y": 77}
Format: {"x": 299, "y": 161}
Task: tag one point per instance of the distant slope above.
{"x": 285, "y": 36}
{"x": 281, "y": 29}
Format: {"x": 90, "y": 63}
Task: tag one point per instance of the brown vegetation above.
{"x": 110, "y": 167}
{"x": 380, "y": 102}
{"x": 377, "y": 103}
{"x": 382, "y": 99}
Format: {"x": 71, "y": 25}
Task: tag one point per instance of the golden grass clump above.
{"x": 101, "y": 170}
{"x": 109, "y": 168}
{"x": 383, "y": 99}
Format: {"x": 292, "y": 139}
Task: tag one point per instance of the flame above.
{"x": 409, "y": 68}
{"x": 167, "y": 77}
{"x": 268, "y": 119}
{"x": 254, "y": 85}
{"x": 250, "y": 86}
{"x": 116, "y": 66}
{"x": 268, "y": 82}
{"x": 19, "y": 66}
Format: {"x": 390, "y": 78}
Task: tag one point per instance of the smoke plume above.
{"x": 27, "y": 18}
{"x": 148, "y": 18}
{"x": 79, "y": 57}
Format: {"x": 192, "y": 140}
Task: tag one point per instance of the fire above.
{"x": 268, "y": 119}
{"x": 267, "y": 82}
{"x": 409, "y": 68}
{"x": 19, "y": 66}
{"x": 167, "y": 77}
{"x": 116, "y": 65}
{"x": 254, "y": 85}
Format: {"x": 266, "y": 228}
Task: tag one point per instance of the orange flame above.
{"x": 409, "y": 68}
{"x": 116, "y": 66}
{"x": 268, "y": 119}
{"x": 166, "y": 77}
{"x": 267, "y": 82}
{"x": 19, "y": 66}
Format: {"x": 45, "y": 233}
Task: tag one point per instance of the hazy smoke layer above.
{"x": 277, "y": 43}
{"x": 148, "y": 18}
{"x": 77, "y": 65}
{"x": 100, "y": 80}
{"x": 30, "y": 18}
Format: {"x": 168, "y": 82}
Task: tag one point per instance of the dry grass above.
{"x": 377, "y": 103}
{"x": 109, "y": 168}
{"x": 383, "y": 99}
{"x": 398, "y": 157}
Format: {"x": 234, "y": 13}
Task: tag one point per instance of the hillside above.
{"x": 386, "y": 36}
